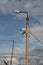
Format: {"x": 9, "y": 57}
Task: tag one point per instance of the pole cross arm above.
{"x": 23, "y": 31}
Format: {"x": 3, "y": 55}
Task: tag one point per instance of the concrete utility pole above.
{"x": 27, "y": 51}
{"x": 26, "y": 33}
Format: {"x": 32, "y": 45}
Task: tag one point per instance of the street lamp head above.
{"x": 16, "y": 11}
{"x": 22, "y": 29}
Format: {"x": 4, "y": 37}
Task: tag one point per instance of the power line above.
{"x": 36, "y": 38}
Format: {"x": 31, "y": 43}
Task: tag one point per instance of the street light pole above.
{"x": 27, "y": 51}
{"x": 26, "y": 32}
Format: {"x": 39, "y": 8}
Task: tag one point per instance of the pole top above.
{"x": 27, "y": 18}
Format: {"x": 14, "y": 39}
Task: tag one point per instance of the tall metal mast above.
{"x": 12, "y": 53}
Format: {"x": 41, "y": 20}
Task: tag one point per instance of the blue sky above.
{"x": 10, "y": 23}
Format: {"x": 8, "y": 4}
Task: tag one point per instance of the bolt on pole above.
{"x": 27, "y": 51}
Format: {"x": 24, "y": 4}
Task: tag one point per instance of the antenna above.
{"x": 12, "y": 53}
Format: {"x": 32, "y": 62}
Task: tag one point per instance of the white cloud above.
{"x": 38, "y": 51}
{"x": 2, "y": 2}
{"x": 38, "y": 31}
{"x": 7, "y": 6}
{"x": 11, "y": 5}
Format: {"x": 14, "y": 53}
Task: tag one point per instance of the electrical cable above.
{"x": 36, "y": 38}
